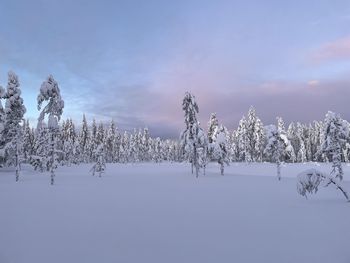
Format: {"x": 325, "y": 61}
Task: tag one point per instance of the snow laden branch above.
{"x": 310, "y": 180}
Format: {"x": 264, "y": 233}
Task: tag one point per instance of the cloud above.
{"x": 335, "y": 50}
{"x": 313, "y": 83}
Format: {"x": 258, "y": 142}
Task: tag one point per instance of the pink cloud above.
{"x": 336, "y": 50}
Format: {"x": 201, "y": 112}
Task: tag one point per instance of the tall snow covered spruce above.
{"x": 12, "y": 133}
{"x": 193, "y": 139}
{"x": 335, "y": 133}
{"x": 50, "y": 92}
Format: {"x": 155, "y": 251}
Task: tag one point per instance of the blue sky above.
{"x": 133, "y": 60}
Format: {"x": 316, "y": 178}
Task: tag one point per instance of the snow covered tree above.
{"x": 244, "y": 153}
{"x": 2, "y": 125}
{"x": 193, "y": 139}
{"x": 50, "y": 92}
{"x": 93, "y": 141}
{"x": 39, "y": 159}
{"x": 220, "y": 147}
{"x": 212, "y": 125}
{"x": 334, "y": 138}
{"x": 12, "y": 132}
{"x": 144, "y": 147}
{"x": 100, "y": 164}
{"x": 28, "y": 141}
{"x": 84, "y": 139}
{"x": 110, "y": 143}
{"x": 277, "y": 146}
{"x": 254, "y": 136}
{"x": 301, "y": 157}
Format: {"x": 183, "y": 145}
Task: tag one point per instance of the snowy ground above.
{"x": 161, "y": 213}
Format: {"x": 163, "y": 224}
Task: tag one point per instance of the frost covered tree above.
{"x": 193, "y": 139}
{"x": 12, "y": 132}
{"x": 212, "y": 126}
{"x": 110, "y": 142}
{"x": 28, "y": 141}
{"x": 40, "y": 159}
{"x": 50, "y": 92}
{"x": 277, "y": 146}
{"x": 84, "y": 139}
{"x": 93, "y": 141}
{"x": 220, "y": 147}
{"x": 244, "y": 154}
{"x": 145, "y": 145}
{"x": 254, "y": 137}
{"x": 335, "y": 132}
{"x": 301, "y": 157}
{"x": 2, "y": 125}
{"x": 100, "y": 164}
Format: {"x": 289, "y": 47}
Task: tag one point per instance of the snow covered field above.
{"x": 161, "y": 213}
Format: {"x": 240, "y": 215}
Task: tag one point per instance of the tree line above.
{"x": 55, "y": 142}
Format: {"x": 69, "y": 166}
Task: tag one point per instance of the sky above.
{"x": 132, "y": 61}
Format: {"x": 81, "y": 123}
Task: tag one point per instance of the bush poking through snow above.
{"x": 100, "y": 165}
{"x": 310, "y": 180}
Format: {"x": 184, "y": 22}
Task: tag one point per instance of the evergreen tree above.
{"x": 193, "y": 139}
{"x": 243, "y": 147}
{"x": 50, "y": 92}
{"x": 12, "y": 133}
{"x": 110, "y": 143}
{"x": 277, "y": 146}
{"x": 335, "y": 133}
{"x": 84, "y": 140}
{"x": 220, "y": 147}
{"x": 100, "y": 164}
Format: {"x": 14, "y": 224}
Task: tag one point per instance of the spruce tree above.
{"x": 50, "y": 92}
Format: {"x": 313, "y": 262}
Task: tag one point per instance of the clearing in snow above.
{"x": 161, "y": 213}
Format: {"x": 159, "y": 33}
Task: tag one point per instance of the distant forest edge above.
{"x": 54, "y": 143}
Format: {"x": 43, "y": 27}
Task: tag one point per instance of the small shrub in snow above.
{"x": 100, "y": 165}
{"x": 310, "y": 180}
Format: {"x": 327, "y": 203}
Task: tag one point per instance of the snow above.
{"x": 162, "y": 213}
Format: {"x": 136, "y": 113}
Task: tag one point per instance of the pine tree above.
{"x": 212, "y": 126}
{"x": 84, "y": 140}
{"x": 12, "y": 133}
{"x": 301, "y": 157}
{"x": 277, "y": 146}
{"x": 243, "y": 148}
{"x": 110, "y": 143}
{"x": 50, "y": 92}
{"x": 28, "y": 141}
{"x": 93, "y": 141}
{"x": 193, "y": 139}
{"x": 2, "y": 126}
{"x": 220, "y": 147}
{"x": 100, "y": 164}
{"x": 335, "y": 133}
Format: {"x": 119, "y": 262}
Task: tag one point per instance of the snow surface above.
{"x": 161, "y": 213}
